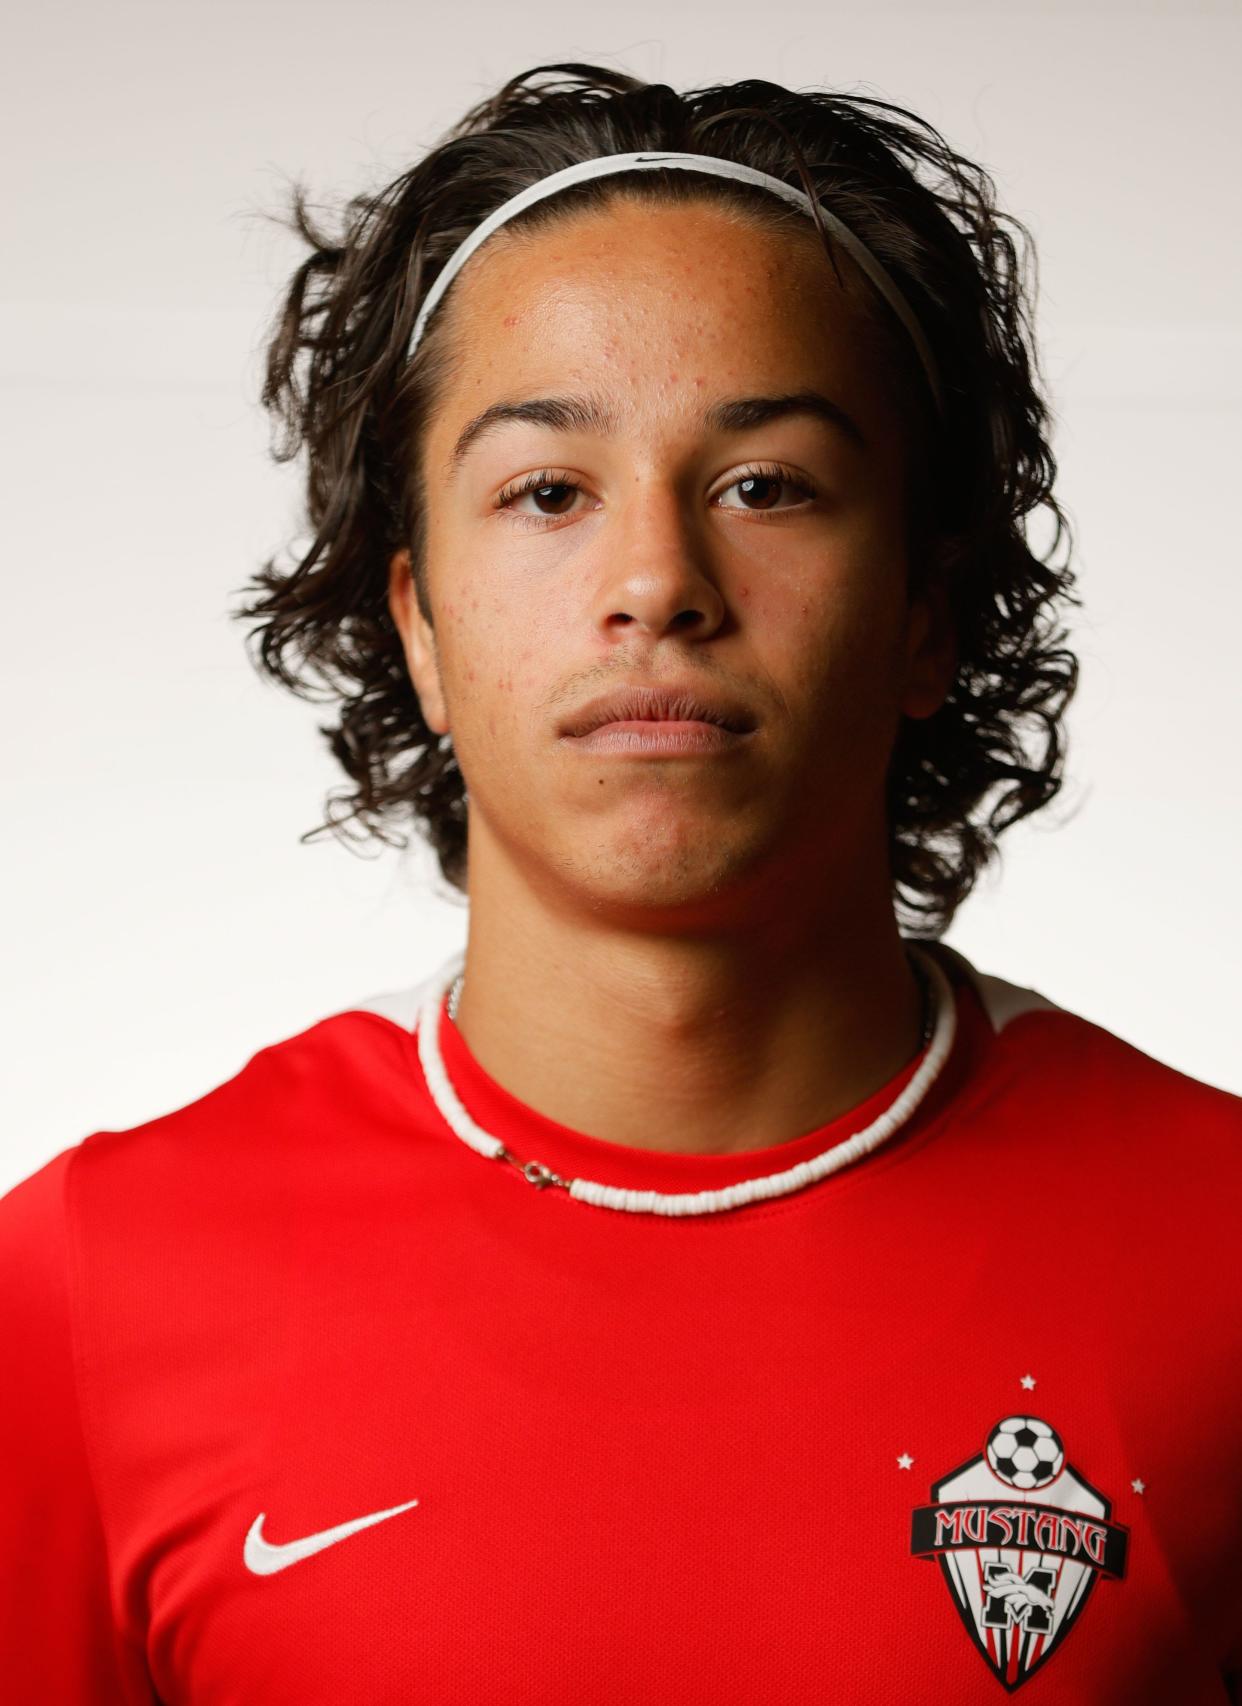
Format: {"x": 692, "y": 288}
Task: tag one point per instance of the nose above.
{"x": 656, "y": 570}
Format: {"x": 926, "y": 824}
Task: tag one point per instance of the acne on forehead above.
{"x": 539, "y": 311}
{"x": 522, "y": 271}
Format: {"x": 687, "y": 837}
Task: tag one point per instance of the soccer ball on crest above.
{"x": 1024, "y": 1452}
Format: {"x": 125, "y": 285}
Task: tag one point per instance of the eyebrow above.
{"x": 588, "y": 414}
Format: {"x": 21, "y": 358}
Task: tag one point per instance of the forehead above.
{"x": 661, "y": 305}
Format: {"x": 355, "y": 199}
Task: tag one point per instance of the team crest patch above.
{"x": 1021, "y": 1538}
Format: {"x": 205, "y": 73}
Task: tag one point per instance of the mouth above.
{"x": 673, "y": 713}
{"x": 664, "y": 736}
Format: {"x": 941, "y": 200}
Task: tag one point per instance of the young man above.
{"x": 700, "y": 1290}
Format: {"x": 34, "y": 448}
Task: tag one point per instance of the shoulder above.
{"x": 1093, "y": 1080}
{"x": 291, "y": 1099}
{"x": 1102, "y": 1162}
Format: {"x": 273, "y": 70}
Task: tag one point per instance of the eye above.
{"x": 760, "y": 487}
{"x": 763, "y": 485}
{"x": 546, "y": 488}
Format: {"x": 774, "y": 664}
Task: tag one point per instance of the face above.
{"x": 668, "y": 537}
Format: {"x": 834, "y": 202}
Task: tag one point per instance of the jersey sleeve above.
{"x": 58, "y": 1639}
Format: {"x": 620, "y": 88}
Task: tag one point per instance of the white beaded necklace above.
{"x": 691, "y": 1202}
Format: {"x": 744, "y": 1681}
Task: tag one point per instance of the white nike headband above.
{"x": 711, "y": 164}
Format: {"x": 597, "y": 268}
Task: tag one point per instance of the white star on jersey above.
{"x": 1028, "y": 1381}
{"x": 1139, "y": 1486}
{"x": 905, "y": 1460}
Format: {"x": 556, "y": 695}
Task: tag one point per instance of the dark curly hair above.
{"x": 339, "y": 384}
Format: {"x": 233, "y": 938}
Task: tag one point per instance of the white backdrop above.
{"x": 162, "y": 921}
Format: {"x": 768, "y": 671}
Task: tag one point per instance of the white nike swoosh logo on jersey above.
{"x": 264, "y": 1559}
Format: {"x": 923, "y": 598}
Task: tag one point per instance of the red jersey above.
{"x": 305, "y": 1400}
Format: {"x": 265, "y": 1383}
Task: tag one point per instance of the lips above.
{"x": 636, "y": 702}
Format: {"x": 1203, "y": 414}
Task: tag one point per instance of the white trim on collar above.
{"x": 1002, "y": 1001}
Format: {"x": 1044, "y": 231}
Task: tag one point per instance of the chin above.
{"x": 702, "y": 877}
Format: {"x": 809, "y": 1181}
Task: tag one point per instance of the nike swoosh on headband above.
{"x": 264, "y": 1559}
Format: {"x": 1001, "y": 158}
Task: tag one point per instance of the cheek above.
{"x": 831, "y": 639}
{"x": 499, "y": 658}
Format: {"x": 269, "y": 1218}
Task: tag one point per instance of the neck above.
{"x": 703, "y": 1044}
